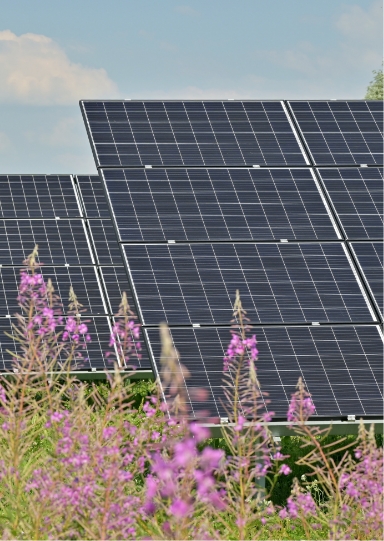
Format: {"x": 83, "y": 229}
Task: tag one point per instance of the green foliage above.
{"x": 291, "y": 445}
{"x": 375, "y": 88}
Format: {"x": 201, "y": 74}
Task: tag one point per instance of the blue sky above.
{"x": 53, "y": 53}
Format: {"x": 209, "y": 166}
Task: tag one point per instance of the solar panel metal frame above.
{"x": 246, "y": 162}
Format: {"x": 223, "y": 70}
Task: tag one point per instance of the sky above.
{"x": 54, "y": 53}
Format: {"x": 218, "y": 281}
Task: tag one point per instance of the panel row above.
{"x": 234, "y": 133}
{"x": 244, "y": 204}
{"x": 342, "y": 367}
{"x": 186, "y": 284}
{"x": 191, "y": 133}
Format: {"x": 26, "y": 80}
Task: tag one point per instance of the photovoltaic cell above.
{"x": 93, "y": 354}
{"x": 105, "y": 241}
{"x": 191, "y": 133}
{"x": 59, "y": 242}
{"x": 37, "y": 196}
{"x": 357, "y": 196}
{"x": 341, "y": 132}
{"x": 370, "y": 258}
{"x": 84, "y": 281}
{"x": 278, "y": 283}
{"x": 217, "y": 204}
{"x": 92, "y": 194}
{"x": 341, "y": 366}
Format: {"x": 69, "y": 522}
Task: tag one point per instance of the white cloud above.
{"x": 340, "y": 70}
{"x": 36, "y": 70}
{"x": 66, "y": 132}
{"x": 358, "y": 24}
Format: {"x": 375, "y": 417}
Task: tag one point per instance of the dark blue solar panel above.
{"x": 105, "y": 242}
{"x": 341, "y": 366}
{"x": 217, "y": 204}
{"x": 115, "y": 282}
{"x": 370, "y": 258}
{"x": 93, "y": 355}
{"x": 37, "y": 196}
{"x": 341, "y": 132}
{"x": 278, "y": 283}
{"x": 177, "y": 133}
{"x": 84, "y": 281}
{"x": 93, "y": 197}
{"x": 357, "y": 196}
{"x": 60, "y": 242}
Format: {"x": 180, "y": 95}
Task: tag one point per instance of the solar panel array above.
{"x": 281, "y": 200}
{"x": 51, "y": 211}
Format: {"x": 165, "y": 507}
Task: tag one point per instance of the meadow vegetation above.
{"x": 113, "y": 460}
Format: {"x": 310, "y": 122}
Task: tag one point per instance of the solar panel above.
{"x": 93, "y": 197}
{"x": 115, "y": 282}
{"x": 191, "y": 133}
{"x": 93, "y": 354}
{"x": 341, "y": 132}
{"x": 278, "y": 283}
{"x": 370, "y": 258}
{"x": 341, "y": 366}
{"x": 105, "y": 242}
{"x": 218, "y": 204}
{"x": 38, "y": 196}
{"x": 60, "y": 242}
{"x": 357, "y": 196}
{"x": 84, "y": 280}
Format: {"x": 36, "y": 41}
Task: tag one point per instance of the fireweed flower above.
{"x": 285, "y": 470}
{"x": 301, "y": 406}
{"x": 185, "y": 467}
{"x": 240, "y": 347}
{"x": 86, "y": 481}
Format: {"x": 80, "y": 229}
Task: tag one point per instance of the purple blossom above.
{"x": 180, "y": 508}
{"x": 301, "y": 406}
{"x": 200, "y": 433}
{"x": 285, "y": 469}
{"x": 108, "y": 432}
{"x": 238, "y": 347}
